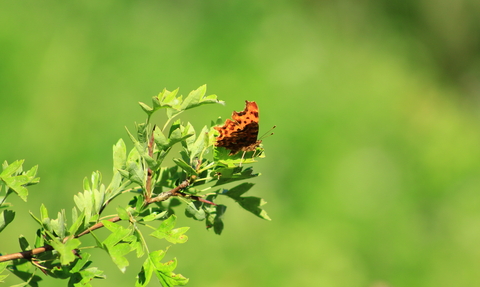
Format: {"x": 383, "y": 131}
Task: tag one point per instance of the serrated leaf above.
{"x": 118, "y": 233}
{"x": 81, "y": 275}
{"x": 166, "y": 230}
{"x": 163, "y": 271}
{"x": 83, "y": 278}
{"x": 117, "y": 253}
{"x": 9, "y": 170}
{"x": 164, "y": 99}
{"x": 138, "y": 245}
{"x": 166, "y": 276}
{"x": 59, "y": 225}
{"x": 65, "y": 249}
{"x": 16, "y": 184}
{"x": 176, "y": 136}
{"x": 197, "y": 98}
{"x": 169, "y": 98}
{"x": 249, "y": 203}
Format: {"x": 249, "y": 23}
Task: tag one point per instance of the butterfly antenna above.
{"x": 267, "y": 134}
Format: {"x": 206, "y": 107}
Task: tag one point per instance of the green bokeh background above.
{"x": 372, "y": 177}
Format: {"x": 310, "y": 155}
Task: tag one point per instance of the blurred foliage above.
{"x": 373, "y": 171}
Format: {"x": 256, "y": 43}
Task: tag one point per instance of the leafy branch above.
{"x": 197, "y": 178}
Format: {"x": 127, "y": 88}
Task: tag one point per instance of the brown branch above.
{"x": 148, "y": 184}
{"x": 167, "y": 194}
{"x": 30, "y": 253}
{"x": 97, "y": 226}
{"x": 25, "y": 254}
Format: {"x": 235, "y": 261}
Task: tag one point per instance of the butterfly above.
{"x": 241, "y": 133}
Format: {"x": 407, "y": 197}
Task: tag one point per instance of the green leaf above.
{"x": 151, "y": 162}
{"x": 166, "y": 230}
{"x": 178, "y": 133}
{"x": 123, "y": 214}
{"x": 146, "y": 108}
{"x": 78, "y": 222}
{"x": 85, "y": 203}
{"x": 81, "y": 275}
{"x": 59, "y": 225}
{"x": 116, "y": 245}
{"x": 160, "y": 139}
{"x": 16, "y": 184}
{"x": 137, "y": 244}
{"x": 119, "y": 155}
{"x": 185, "y": 166}
{"x": 83, "y": 278}
{"x": 168, "y": 98}
{"x": 117, "y": 253}
{"x": 142, "y": 135}
{"x": 44, "y": 215}
{"x": 6, "y": 217}
{"x": 154, "y": 216}
{"x": 214, "y": 217}
{"x": 24, "y": 245}
{"x": 145, "y": 274}
{"x": 15, "y": 179}
{"x": 197, "y": 98}
{"x": 9, "y": 170}
{"x": 22, "y": 269}
{"x": 166, "y": 277}
{"x": 96, "y": 180}
{"x": 164, "y": 99}
{"x": 163, "y": 271}
{"x": 36, "y": 218}
{"x": 118, "y": 233}
{"x": 229, "y": 175}
{"x": 65, "y": 249}
{"x": 194, "y": 210}
{"x": 222, "y": 157}
{"x": 250, "y": 203}
{"x": 197, "y": 147}
{"x": 3, "y": 266}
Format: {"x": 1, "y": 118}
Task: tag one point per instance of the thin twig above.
{"x": 30, "y": 253}
{"x": 97, "y": 226}
{"x": 25, "y": 254}
{"x": 148, "y": 184}
{"x": 167, "y": 194}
